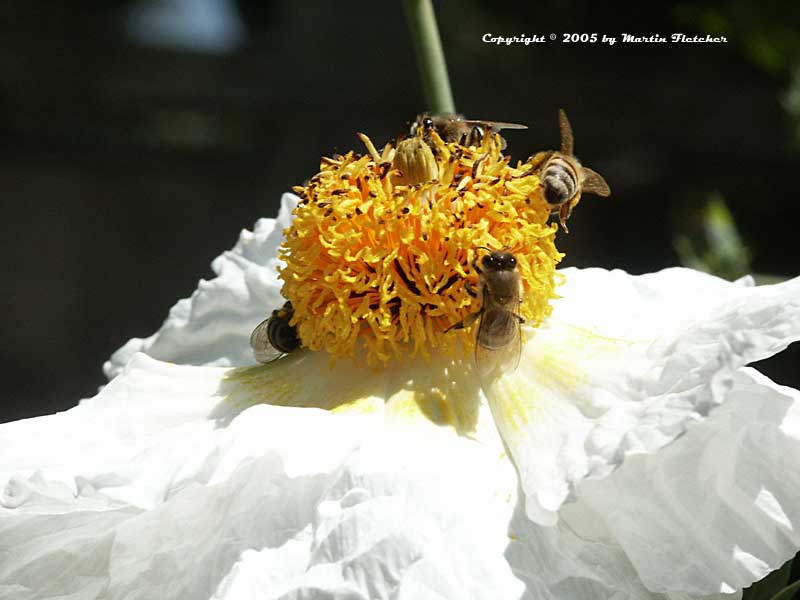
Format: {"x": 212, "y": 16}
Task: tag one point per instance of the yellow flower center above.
{"x": 378, "y": 265}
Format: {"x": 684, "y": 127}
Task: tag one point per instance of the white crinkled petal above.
{"x": 709, "y": 514}
{"x": 630, "y": 402}
{"x": 719, "y": 506}
{"x": 156, "y": 428}
{"x": 412, "y": 520}
{"x": 624, "y": 365}
{"x": 213, "y": 326}
{"x": 229, "y": 500}
{"x": 156, "y": 486}
{"x": 590, "y": 398}
{"x": 171, "y": 483}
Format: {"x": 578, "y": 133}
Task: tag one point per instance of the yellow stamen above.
{"x": 375, "y": 265}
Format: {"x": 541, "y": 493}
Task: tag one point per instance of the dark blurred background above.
{"x": 139, "y": 137}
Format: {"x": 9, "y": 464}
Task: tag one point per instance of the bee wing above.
{"x": 567, "y": 141}
{"x": 594, "y": 183}
{"x": 263, "y": 351}
{"x": 494, "y": 125}
{"x": 498, "y": 343}
{"x": 441, "y": 120}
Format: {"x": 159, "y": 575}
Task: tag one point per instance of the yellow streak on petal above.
{"x": 516, "y": 400}
{"x": 558, "y": 360}
{"x": 360, "y": 406}
{"x": 445, "y": 394}
{"x": 301, "y": 380}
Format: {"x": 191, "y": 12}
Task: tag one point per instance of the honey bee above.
{"x": 563, "y": 177}
{"x": 453, "y": 127}
{"x": 274, "y": 336}
{"x": 498, "y": 341}
{"x": 414, "y": 160}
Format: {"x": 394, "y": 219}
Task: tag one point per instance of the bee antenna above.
{"x": 485, "y": 248}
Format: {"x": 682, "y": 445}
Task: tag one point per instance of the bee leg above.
{"x": 470, "y": 290}
{"x": 563, "y": 215}
{"x": 477, "y": 164}
{"x": 475, "y": 266}
{"x": 469, "y": 320}
{"x": 537, "y": 159}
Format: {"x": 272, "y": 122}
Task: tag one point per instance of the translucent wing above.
{"x": 263, "y": 350}
{"x": 494, "y": 125}
{"x": 594, "y": 183}
{"x": 498, "y": 343}
{"x": 567, "y": 142}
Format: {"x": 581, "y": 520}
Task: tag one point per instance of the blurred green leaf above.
{"x": 716, "y": 246}
{"x": 788, "y": 592}
{"x": 721, "y": 251}
{"x": 791, "y": 101}
{"x": 764, "y": 30}
{"x": 687, "y": 255}
{"x": 727, "y": 253}
{"x": 772, "y": 586}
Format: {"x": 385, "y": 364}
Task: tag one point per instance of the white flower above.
{"x": 652, "y": 463}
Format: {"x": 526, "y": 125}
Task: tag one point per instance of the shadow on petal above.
{"x": 445, "y": 392}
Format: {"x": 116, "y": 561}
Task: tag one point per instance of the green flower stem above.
{"x": 430, "y": 56}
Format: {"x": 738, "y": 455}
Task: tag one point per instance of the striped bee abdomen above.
{"x": 281, "y": 334}
{"x": 559, "y": 180}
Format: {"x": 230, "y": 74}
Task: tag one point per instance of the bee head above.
{"x": 423, "y": 123}
{"x": 499, "y": 261}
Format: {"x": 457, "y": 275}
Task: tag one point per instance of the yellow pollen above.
{"x": 380, "y": 269}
